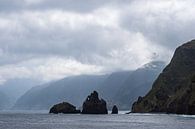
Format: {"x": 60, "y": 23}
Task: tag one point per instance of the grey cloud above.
{"x": 169, "y": 26}
{"x": 11, "y": 5}
{"x": 81, "y": 6}
{"x": 27, "y": 38}
{"x": 120, "y": 35}
{"x": 81, "y": 44}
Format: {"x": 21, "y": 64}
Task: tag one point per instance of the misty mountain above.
{"x": 112, "y": 85}
{"x": 138, "y": 83}
{"x": 13, "y": 89}
{"x": 4, "y": 100}
{"x": 120, "y": 88}
{"x": 123, "y": 88}
{"x": 72, "y": 89}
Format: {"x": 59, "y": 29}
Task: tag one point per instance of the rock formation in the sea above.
{"x": 174, "y": 89}
{"x": 64, "y": 107}
{"x": 93, "y": 105}
{"x": 114, "y": 110}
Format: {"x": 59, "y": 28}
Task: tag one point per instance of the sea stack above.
{"x": 174, "y": 89}
{"x": 65, "y": 108}
{"x": 93, "y": 105}
{"x": 114, "y": 110}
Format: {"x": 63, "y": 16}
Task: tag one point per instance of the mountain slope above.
{"x": 174, "y": 89}
{"x": 120, "y": 88}
{"x": 71, "y": 89}
{"x": 4, "y": 100}
{"x": 138, "y": 83}
{"x": 15, "y": 88}
{"x": 110, "y": 87}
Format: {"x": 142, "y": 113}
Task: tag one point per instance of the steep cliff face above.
{"x": 174, "y": 89}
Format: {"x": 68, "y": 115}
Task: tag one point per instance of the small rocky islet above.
{"x": 65, "y": 108}
{"x": 92, "y": 105}
{"x": 114, "y": 110}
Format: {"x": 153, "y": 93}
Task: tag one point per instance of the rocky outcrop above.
{"x": 114, "y": 110}
{"x": 93, "y": 105}
{"x": 174, "y": 89}
{"x": 64, "y": 107}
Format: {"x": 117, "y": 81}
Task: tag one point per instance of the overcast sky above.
{"x": 51, "y": 39}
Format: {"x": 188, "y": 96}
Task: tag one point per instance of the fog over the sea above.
{"x": 51, "y": 39}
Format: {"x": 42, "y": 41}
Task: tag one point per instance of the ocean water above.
{"x": 43, "y": 120}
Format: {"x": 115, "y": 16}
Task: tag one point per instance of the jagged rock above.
{"x": 114, "y": 110}
{"x": 93, "y": 105}
{"x": 64, "y": 107}
{"x": 174, "y": 89}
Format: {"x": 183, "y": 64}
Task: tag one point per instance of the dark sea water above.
{"x": 42, "y": 120}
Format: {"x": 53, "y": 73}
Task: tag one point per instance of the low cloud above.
{"x": 47, "y": 40}
{"x": 46, "y": 69}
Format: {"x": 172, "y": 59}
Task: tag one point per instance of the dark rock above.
{"x": 128, "y": 113}
{"x": 193, "y": 79}
{"x": 64, "y": 107}
{"x": 174, "y": 89}
{"x": 93, "y": 105}
{"x": 140, "y": 99}
{"x": 114, "y": 110}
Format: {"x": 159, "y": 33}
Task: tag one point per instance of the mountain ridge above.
{"x": 74, "y": 89}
